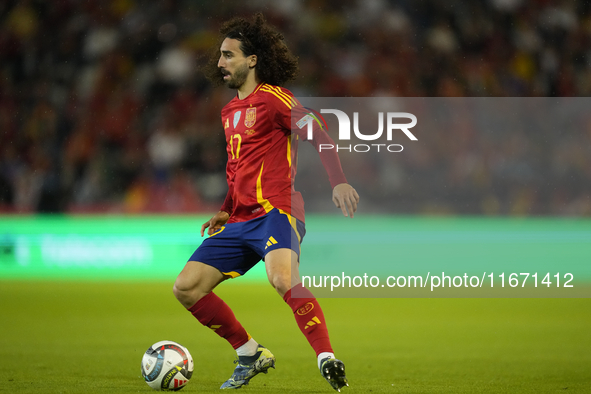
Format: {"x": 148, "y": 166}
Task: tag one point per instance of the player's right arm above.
{"x": 219, "y": 219}
{"x": 215, "y": 223}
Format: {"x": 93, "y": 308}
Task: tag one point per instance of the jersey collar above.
{"x": 253, "y": 92}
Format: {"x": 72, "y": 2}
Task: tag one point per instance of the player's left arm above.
{"x": 344, "y": 195}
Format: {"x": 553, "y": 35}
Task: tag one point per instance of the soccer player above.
{"x": 262, "y": 216}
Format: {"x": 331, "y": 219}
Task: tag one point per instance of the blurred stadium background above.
{"x": 103, "y": 108}
{"x": 112, "y": 155}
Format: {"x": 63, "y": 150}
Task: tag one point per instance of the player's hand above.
{"x": 346, "y": 198}
{"x": 215, "y": 223}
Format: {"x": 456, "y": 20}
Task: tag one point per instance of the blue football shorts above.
{"x": 237, "y": 247}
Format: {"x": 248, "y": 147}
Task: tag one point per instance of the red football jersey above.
{"x": 262, "y": 154}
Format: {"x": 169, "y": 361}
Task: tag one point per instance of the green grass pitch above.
{"x": 89, "y": 337}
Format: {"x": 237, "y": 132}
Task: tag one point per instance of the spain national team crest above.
{"x": 251, "y": 117}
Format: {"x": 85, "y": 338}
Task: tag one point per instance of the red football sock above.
{"x": 309, "y": 318}
{"x": 213, "y": 312}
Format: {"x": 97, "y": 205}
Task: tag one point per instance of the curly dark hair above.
{"x": 275, "y": 63}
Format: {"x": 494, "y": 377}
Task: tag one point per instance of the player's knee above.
{"x": 187, "y": 297}
{"x": 179, "y": 293}
{"x": 281, "y": 284}
{"x": 194, "y": 283}
{"x": 184, "y": 291}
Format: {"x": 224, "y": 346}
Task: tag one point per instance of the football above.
{"x": 167, "y": 366}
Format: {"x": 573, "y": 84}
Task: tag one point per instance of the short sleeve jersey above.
{"x": 262, "y": 154}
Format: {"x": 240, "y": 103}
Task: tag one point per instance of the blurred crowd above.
{"x": 103, "y": 107}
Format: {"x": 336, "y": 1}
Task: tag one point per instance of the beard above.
{"x": 238, "y": 78}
